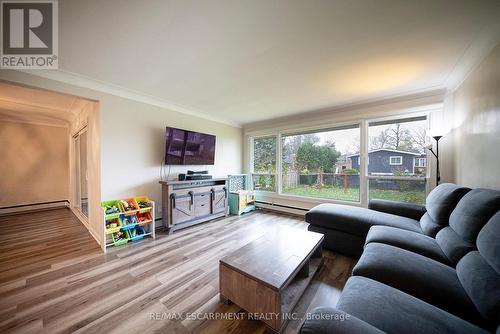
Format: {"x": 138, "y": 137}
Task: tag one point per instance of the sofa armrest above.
{"x": 327, "y": 320}
{"x": 408, "y": 210}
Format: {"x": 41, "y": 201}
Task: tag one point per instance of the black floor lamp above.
{"x": 436, "y": 154}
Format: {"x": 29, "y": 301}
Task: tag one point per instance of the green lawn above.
{"x": 352, "y": 194}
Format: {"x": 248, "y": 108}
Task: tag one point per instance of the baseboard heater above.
{"x": 33, "y": 206}
{"x": 281, "y": 207}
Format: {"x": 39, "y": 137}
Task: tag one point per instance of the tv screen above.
{"x": 185, "y": 147}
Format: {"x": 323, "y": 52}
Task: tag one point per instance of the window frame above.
{"x": 252, "y": 161}
{"x": 396, "y": 164}
{"x": 420, "y": 165}
{"x": 332, "y": 123}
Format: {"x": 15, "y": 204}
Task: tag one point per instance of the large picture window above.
{"x": 264, "y": 163}
{"x": 379, "y": 159}
{"x": 317, "y": 164}
{"x": 396, "y": 168}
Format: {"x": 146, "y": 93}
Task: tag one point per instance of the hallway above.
{"x": 40, "y": 241}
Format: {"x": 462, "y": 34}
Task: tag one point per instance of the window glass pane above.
{"x": 318, "y": 164}
{"x": 397, "y": 149}
{"x": 264, "y": 163}
{"x": 410, "y": 191}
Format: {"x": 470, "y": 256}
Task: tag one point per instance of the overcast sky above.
{"x": 346, "y": 140}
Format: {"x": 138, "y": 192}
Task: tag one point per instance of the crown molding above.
{"x": 112, "y": 89}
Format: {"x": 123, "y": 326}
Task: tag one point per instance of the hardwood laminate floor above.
{"x": 55, "y": 279}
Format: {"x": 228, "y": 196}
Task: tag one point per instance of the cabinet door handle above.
{"x": 225, "y": 192}
{"x": 172, "y": 200}
{"x": 191, "y": 194}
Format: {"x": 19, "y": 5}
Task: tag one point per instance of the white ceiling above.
{"x": 27, "y": 105}
{"x": 246, "y": 61}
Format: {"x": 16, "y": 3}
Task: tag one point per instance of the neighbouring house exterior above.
{"x": 342, "y": 163}
{"x": 392, "y": 162}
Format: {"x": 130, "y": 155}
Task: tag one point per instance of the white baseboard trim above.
{"x": 33, "y": 207}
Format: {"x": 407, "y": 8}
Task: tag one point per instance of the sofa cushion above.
{"x": 439, "y": 204}
{"x": 403, "y": 209}
{"x": 479, "y": 271}
{"x": 411, "y": 241}
{"x": 326, "y": 320}
{"x": 473, "y": 211}
{"x": 421, "y": 277}
{"x": 394, "y": 311}
{"x": 429, "y": 226}
{"x": 356, "y": 220}
{"x": 453, "y": 245}
{"x": 488, "y": 242}
{"x": 482, "y": 284}
{"x": 340, "y": 242}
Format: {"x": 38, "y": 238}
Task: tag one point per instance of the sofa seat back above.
{"x": 439, "y": 204}
{"x": 479, "y": 272}
{"x": 471, "y": 214}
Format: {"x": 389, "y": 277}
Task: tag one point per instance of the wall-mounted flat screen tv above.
{"x": 184, "y": 147}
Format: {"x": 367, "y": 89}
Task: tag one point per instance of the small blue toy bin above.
{"x": 139, "y": 233}
{"x": 128, "y": 222}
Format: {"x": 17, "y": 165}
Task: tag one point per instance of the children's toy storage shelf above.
{"x": 128, "y": 220}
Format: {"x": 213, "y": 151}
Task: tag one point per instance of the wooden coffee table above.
{"x": 268, "y": 276}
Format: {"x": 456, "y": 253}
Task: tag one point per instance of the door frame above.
{"x": 76, "y": 200}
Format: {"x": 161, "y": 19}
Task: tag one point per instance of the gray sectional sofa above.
{"x": 432, "y": 269}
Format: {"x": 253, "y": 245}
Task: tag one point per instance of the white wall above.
{"x": 35, "y": 163}
{"x": 133, "y": 146}
{"x": 132, "y": 138}
{"x": 474, "y": 112}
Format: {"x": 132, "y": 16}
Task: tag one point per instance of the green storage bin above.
{"x": 107, "y": 204}
{"x": 120, "y": 241}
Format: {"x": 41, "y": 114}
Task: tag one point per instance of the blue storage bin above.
{"x": 139, "y": 233}
{"x": 128, "y": 222}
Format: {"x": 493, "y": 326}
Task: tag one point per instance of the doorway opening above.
{"x": 52, "y": 141}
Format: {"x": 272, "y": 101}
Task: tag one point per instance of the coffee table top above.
{"x": 276, "y": 256}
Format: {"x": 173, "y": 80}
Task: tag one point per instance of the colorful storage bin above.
{"x": 120, "y": 237}
{"x": 137, "y": 233}
{"x": 113, "y": 221}
{"x": 144, "y": 203}
{"x": 108, "y": 205}
{"x": 128, "y": 222}
{"x": 128, "y": 206}
{"x": 144, "y": 218}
